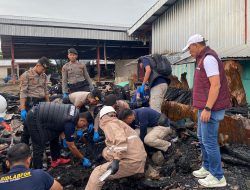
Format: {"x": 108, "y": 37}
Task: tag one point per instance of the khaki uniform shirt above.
{"x": 78, "y": 98}
{"x": 73, "y": 73}
{"x": 33, "y": 84}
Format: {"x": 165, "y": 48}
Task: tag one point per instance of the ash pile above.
{"x": 170, "y": 170}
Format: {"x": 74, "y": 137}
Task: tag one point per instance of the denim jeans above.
{"x": 208, "y": 137}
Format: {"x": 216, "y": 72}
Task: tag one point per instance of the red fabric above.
{"x": 6, "y": 126}
{"x": 202, "y": 85}
{"x": 59, "y": 161}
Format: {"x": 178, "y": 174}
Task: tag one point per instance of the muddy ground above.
{"x": 175, "y": 173}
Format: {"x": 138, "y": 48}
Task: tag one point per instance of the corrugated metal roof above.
{"x": 242, "y": 51}
{"x": 9, "y": 19}
{"x": 7, "y": 62}
{"x": 232, "y": 53}
{"x": 149, "y": 17}
{"x": 37, "y": 27}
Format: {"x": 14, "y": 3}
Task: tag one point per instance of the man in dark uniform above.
{"x": 46, "y": 122}
{"x": 21, "y": 177}
{"x": 153, "y": 126}
{"x": 158, "y": 84}
{"x": 33, "y": 89}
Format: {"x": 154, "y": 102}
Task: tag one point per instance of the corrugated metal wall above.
{"x": 220, "y": 21}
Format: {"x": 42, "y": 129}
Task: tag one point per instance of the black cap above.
{"x": 140, "y": 59}
{"x": 44, "y": 61}
{"x": 110, "y": 100}
{"x": 72, "y": 50}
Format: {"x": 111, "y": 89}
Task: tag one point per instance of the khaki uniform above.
{"x": 155, "y": 137}
{"x": 33, "y": 88}
{"x": 33, "y": 85}
{"x": 157, "y": 94}
{"x": 78, "y": 98}
{"x": 123, "y": 144}
{"x": 73, "y": 73}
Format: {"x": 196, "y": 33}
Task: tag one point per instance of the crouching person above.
{"x": 152, "y": 126}
{"x": 125, "y": 152}
{"x": 46, "y": 122}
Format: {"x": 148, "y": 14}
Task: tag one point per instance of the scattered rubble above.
{"x": 171, "y": 171}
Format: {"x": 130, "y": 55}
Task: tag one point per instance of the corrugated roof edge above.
{"x": 233, "y": 53}
{"x": 147, "y": 15}
{"x": 22, "y": 20}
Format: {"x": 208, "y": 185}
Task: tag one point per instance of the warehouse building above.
{"x": 224, "y": 23}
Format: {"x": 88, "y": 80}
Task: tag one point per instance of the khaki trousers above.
{"x": 157, "y": 94}
{"x": 155, "y": 138}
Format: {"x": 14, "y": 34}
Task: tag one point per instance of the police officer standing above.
{"x": 75, "y": 76}
{"x": 33, "y": 89}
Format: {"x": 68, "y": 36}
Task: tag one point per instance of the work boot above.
{"x": 55, "y": 163}
{"x": 210, "y": 181}
{"x": 201, "y": 173}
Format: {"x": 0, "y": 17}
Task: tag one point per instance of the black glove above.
{"x": 163, "y": 121}
{"x": 114, "y": 166}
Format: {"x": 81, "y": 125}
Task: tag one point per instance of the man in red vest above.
{"x": 211, "y": 98}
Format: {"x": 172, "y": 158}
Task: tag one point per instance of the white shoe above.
{"x": 210, "y": 181}
{"x": 201, "y": 173}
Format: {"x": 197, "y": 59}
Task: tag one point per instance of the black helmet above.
{"x": 72, "y": 50}
{"x": 44, "y": 61}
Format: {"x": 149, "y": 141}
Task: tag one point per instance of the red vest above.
{"x": 202, "y": 85}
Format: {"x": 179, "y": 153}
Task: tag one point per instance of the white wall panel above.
{"x": 220, "y": 21}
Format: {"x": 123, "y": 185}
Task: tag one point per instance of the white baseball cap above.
{"x": 106, "y": 109}
{"x": 194, "y": 39}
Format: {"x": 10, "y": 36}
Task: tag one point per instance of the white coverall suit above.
{"x": 123, "y": 144}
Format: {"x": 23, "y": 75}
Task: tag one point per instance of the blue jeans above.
{"x": 208, "y": 137}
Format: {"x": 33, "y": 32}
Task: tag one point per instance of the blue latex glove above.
{"x": 86, "y": 162}
{"x": 65, "y": 145}
{"x": 90, "y": 127}
{"x": 142, "y": 87}
{"x": 96, "y": 136}
{"x": 23, "y": 114}
{"x": 1, "y": 119}
{"x": 65, "y": 95}
{"x": 79, "y": 134}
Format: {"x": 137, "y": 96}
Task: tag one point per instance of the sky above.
{"x": 114, "y": 12}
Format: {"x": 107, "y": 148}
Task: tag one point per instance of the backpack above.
{"x": 160, "y": 64}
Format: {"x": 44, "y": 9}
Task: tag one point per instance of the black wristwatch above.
{"x": 207, "y": 109}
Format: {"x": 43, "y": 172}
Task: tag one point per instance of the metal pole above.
{"x": 13, "y": 64}
{"x": 98, "y": 62}
{"x": 105, "y": 55}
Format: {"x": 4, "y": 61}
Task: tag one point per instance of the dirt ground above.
{"x": 175, "y": 173}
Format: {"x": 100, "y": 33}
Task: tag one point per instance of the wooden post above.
{"x": 98, "y": 61}
{"x": 13, "y": 76}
